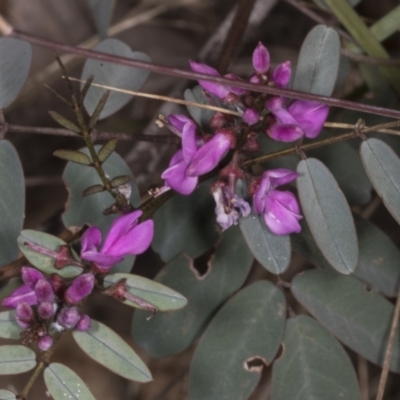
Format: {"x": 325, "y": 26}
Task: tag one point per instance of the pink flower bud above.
{"x": 68, "y": 317}
{"x": 31, "y": 276}
{"x": 83, "y": 324}
{"x": 46, "y": 310}
{"x": 282, "y": 73}
{"x": 24, "y": 312}
{"x": 261, "y": 59}
{"x": 81, "y": 287}
{"x": 250, "y": 116}
{"x": 44, "y": 291}
{"x": 45, "y": 342}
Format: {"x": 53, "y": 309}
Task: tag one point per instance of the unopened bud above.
{"x": 24, "y": 312}
{"x": 45, "y": 342}
{"x": 83, "y": 324}
{"x": 68, "y": 317}
{"x": 81, "y": 287}
{"x": 44, "y": 291}
{"x": 31, "y": 276}
{"x": 46, "y": 310}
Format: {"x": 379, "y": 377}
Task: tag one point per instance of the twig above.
{"x": 165, "y": 70}
{"x": 389, "y": 350}
{"x": 363, "y": 377}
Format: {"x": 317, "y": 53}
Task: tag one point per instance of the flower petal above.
{"x": 91, "y": 239}
{"x": 276, "y": 106}
{"x": 189, "y": 146}
{"x": 285, "y": 133}
{"x": 282, "y": 213}
{"x": 21, "y": 294}
{"x": 31, "y": 276}
{"x": 261, "y": 59}
{"x": 178, "y": 121}
{"x": 235, "y": 90}
{"x": 104, "y": 260}
{"x": 176, "y": 178}
{"x": 209, "y": 155}
{"x": 221, "y": 91}
{"x": 310, "y": 116}
{"x": 250, "y": 116}
{"x": 281, "y": 176}
{"x": 282, "y": 73}
{"x": 119, "y": 228}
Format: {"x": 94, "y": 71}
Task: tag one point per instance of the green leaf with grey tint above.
{"x": 383, "y": 166}
{"x": 107, "y": 149}
{"x": 7, "y": 395}
{"x": 328, "y": 215}
{"x": 12, "y": 199}
{"x": 103, "y": 345}
{"x": 346, "y": 166}
{"x": 271, "y": 251}
{"x": 321, "y": 3}
{"x": 9, "y": 328}
{"x": 316, "y": 363}
{"x": 113, "y": 75}
{"x": 16, "y": 359}
{"x": 358, "y": 318}
{"x": 318, "y": 63}
{"x": 41, "y": 261}
{"x": 73, "y": 156}
{"x": 66, "y": 123}
{"x": 158, "y": 295}
{"x": 63, "y": 383}
{"x": 102, "y": 11}
{"x": 379, "y": 264}
{"x": 206, "y": 290}
{"x": 15, "y": 62}
{"x": 201, "y": 115}
{"x": 248, "y": 328}
{"x": 186, "y": 224}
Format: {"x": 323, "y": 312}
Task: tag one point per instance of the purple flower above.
{"x": 24, "y": 314}
{"x": 223, "y": 92}
{"x": 68, "y": 317}
{"x": 261, "y": 59}
{"x": 195, "y": 158}
{"x": 250, "y": 116}
{"x": 282, "y": 73}
{"x": 301, "y": 118}
{"x": 281, "y": 209}
{"x": 25, "y": 293}
{"x": 83, "y": 324}
{"x": 125, "y": 237}
{"x": 45, "y": 342}
{"x": 81, "y": 287}
{"x": 229, "y": 207}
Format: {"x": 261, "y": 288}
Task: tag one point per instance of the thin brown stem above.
{"x": 165, "y": 70}
{"x": 389, "y": 350}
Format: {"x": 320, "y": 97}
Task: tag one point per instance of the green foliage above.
{"x": 102, "y": 11}
{"x": 318, "y": 63}
{"x": 108, "y": 349}
{"x": 7, "y": 395}
{"x": 161, "y": 297}
{"x": 271, "y": 251}
{"x": 186, "y": 224}
{"x": 328, "y": 215}
{"x": 250, "y": 326}
{"x": 113, "y": 75}
{"x": 9, "y": 328}
{"x": 16, "y": 359}
{"x": 358, "y": 318}
{"x": 12, "y": 199}
{"x": 63, "y": 383}
{"x": 41, "y": 261}
{"x": 170, "y": 333}
{"x": 317, "y": 365}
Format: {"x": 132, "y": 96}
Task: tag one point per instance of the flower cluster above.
{"x": 45, "y": 305}
{"x": 276, "y": 117}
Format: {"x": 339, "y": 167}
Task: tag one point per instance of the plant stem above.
{"x": 321, "y": 143}
{"x": 162, "y": 69}
{"x": 389, "y": 350}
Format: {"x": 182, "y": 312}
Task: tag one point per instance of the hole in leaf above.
{"x": 201, "y": 266}
{"x": 255, "y": 364}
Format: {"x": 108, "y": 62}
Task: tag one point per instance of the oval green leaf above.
{"x": 80, "y": 211}
{"x": 271, "y": 251}
{"x": 186, "y": 224}
{"x": 249, "y": 327}
{"x": 316, "y": 363}
{"x": 170, "y": 333}
{"x": 12, "y": 199}
{"x": 43, "y": 262}
{"x": 9, "y": 328}
{"x": 102, "y": 11}
{"x": 64, "y": 383}
{"x": 16, "y": 359}
{"x": 383, "y": 166}
{"x": 112, "y": 75}
{"x": 7, "y": 395}
{"x": 318, "y": 63}
{"x": 161, "y": 297}
{"x": 105, "y": 347}
{"x": 15, "y": 63}
{"x": 328, "y": 215}
{"x": 378, "y": 265}
{"x": 359, "y": 319}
